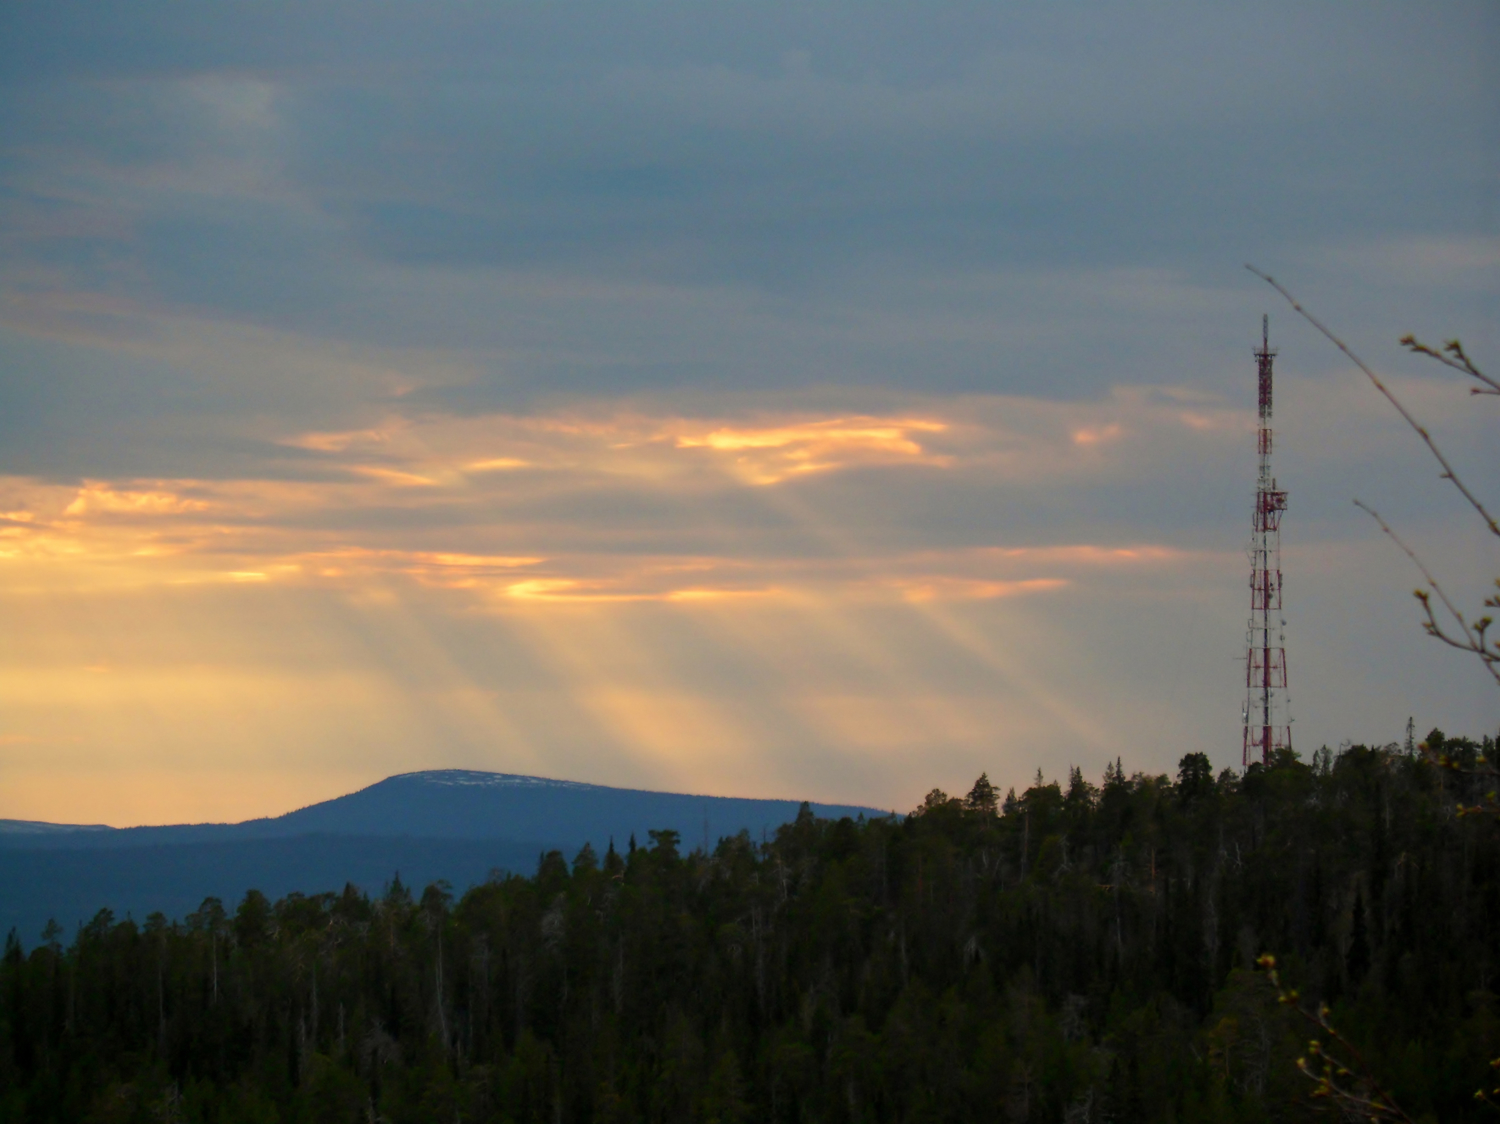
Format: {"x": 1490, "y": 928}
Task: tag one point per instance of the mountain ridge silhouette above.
{"x": 459, "y": 825}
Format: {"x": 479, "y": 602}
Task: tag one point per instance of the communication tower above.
{"x": 1268, "y": 727}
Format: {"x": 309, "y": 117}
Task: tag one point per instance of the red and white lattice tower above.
{"x": 1268, "y": 727}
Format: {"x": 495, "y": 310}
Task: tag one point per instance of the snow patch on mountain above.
{"x": 476, "y": 779}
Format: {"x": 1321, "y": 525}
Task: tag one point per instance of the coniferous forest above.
{"x": 1070, "y": 953}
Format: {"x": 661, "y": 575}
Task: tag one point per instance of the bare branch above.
{"x": 1459, "y": 361}
{"x": 1448, "y": 473}
{"x": 1426, "y": 573}
{"x": 1331, "y": 1075}
{"x": 1473, "y": 635}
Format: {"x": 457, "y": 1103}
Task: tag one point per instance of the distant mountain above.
{"x": 464, "y": 804}
{"x": 453, "y": 824}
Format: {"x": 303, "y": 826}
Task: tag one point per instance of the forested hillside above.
{"x": 1069, "y": 953}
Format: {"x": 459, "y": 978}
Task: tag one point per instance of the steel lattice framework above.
{"x": 1267, "y": 724}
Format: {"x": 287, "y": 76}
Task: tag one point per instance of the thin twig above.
{"x": 1474, "y": 635}
{"x": 1410, "y": 553}
{"x": 1460, "y": 362}
{"x": 1374, "y": 1101}
{"x": 1448, "y": 473}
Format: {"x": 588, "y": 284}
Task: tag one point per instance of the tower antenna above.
{"x": 1267, "y": 724}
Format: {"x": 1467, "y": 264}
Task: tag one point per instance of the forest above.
{"x": 1074, "y": 952}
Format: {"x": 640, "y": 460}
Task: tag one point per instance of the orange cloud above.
{"x": 771, "y": 454}
{"x": 96, "y": 498}
{"x": 1089, "y": 554}
{"x": 395, "y": 477}
{"x": 1096, "y": 435}
{"x": 435, "y": 505}
{"x": 969, "y": 589}
{"x": 339, "y": 442}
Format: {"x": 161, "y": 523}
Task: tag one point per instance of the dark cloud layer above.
{"x": 304, "y": 165}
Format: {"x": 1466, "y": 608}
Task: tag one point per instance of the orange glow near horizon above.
{"x": 461, "y": 591}
{"x": 132, "y": 796}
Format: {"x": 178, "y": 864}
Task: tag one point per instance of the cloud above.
{"x": 768, "y": 455}
{"x": 787, "y": 400}
{"x": 98, "y": 499}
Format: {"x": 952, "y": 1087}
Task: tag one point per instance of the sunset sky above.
{"x": 821, "y": 400}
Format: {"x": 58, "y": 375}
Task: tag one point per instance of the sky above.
{"x": 813, "y": 400}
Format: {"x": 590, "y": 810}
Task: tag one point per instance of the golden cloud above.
{"x": 970, "y": 589}
{"x": 339, "y": 442}
{"x": 96, "y": 498}
{"x": 1094, "y": 435}
{"x": 435, "y": 502}
{"x": 395, "y": 477}
{"x": 771, "y": 454}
